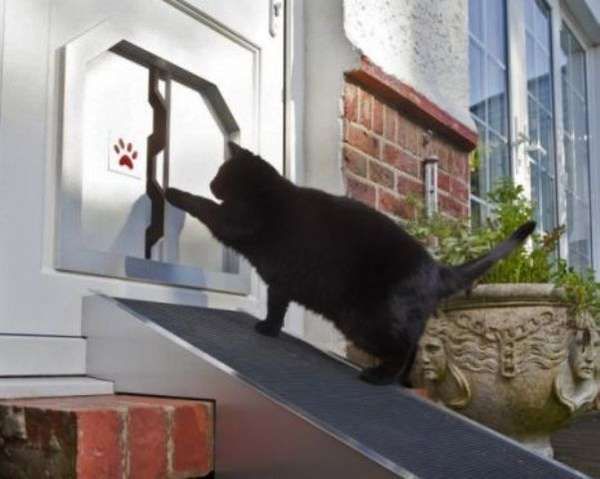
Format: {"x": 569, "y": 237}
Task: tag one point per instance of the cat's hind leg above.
{"x": 277, "y": 304}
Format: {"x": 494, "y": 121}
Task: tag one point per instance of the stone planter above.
{"x": 509, "y": 356}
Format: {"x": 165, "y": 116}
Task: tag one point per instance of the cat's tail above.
{"x": 456, "y": 278}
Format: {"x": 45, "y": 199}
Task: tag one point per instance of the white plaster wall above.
{"x": 424, "y": 43}
{"x": 327, "y": 54}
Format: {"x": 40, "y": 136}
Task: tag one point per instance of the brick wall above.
{"x": 387, "y": 128}
{"x": 106, "y": 437}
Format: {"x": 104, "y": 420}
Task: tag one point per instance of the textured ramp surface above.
{"x": 405, "y": 430}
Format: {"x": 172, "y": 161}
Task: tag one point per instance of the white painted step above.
{"x": 13, "y": 387}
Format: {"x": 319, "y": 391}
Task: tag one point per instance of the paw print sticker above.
{"x": 126, "y": 153}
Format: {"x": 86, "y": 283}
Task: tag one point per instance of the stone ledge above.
{"x": 407, "y": 99}
{"x": 106, "y": 437}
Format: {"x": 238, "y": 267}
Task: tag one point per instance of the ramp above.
{"x": 286, "y": 409}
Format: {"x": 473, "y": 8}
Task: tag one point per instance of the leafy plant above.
{"x": 453, "y": 241}
{"x": 582, "y": 292}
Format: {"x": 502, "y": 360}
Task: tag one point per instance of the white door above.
{"x": 84, "y": 85}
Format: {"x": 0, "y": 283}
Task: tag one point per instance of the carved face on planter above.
{"x": 433, "y": 358}
{"x": 583, "y": 354}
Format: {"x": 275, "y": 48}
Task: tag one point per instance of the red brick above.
{"x": 362, "y": 140}
{"x": 400, "y": 160}
{"x": 377, "y": 117}
{"x": 409, "y": 186}
{"x": 192, "y": 441}
{"x": 365, "y": 105}
{"x": 395, "y": 205}
{"x": 459, "y": 190}
{"x": 360, "y": 191}
{"x": 443, "y": 181}
{"x": 381, "y": 174}
{"x": 99, "y": 448}
{"x": 451, "y": 207}
{"x": 389, "y": 123}
{"x": 147, "y": 442}
{"x": 105, "y": 437}
{"x": 414, "y": 103}
{"x": 459, "y": 164}
{"x": 402, "y": 131}
{"x": 350, "y": 102}
{"x": 443, "y": 152}
{"x": 414, "y": 138}
{"x": 355, "y": 161}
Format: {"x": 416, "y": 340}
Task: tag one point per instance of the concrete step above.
{"x": 106, "y": 437}
{"x": 28, "y": 387}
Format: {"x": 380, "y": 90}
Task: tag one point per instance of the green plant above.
{"x": 453, "y": 241}
{"x": 582, "y": 292}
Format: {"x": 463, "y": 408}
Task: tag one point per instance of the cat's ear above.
{"x": 236, "y": 151}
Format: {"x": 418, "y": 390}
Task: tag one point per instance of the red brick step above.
{"x": 106, "y": 437}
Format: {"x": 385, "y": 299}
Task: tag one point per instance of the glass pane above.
{"x": 575, "y": 142}
{"x": 548, "y": 201}
{"x": 476, "y": 18}
{"x": 542, "y": 75}
{"x": 496, "y": 95}
{"x": 477, "y": 79}
{"x": 117, "y": 119}
{"x": 546, "y": 153}
{"x": 489, "y": 96}
{"x": 495, "y": 38}
{"x": 541, "y": 20}
{"x": 531, "y": 68}
{"x": 498, "y": 158}
{"x": 540, "y": 112}
{"x": 197, "y": 149}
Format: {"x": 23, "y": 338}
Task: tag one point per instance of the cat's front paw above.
{"x": 267, "y": 328}
{"x": 378, "y": 376}
{"x": 173, "y": 195}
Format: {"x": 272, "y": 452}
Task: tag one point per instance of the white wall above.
{"x": 424, "y": 43}
{"x": 328, "y": 54}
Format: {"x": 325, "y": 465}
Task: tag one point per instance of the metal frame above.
{"x": 72, "y": 254}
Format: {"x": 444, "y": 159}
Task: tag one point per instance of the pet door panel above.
{"x": 196, "y": 151}
{"x": 117, "y": 120}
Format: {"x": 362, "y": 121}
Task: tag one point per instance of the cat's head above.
{"x": 242, "y": 176}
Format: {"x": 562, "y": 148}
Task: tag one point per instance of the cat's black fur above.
{"x": 334, "y": 255}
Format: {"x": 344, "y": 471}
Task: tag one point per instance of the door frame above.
{"x": 71, "y": 252}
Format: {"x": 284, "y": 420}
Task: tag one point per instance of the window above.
{"x": 539, "y": 132}
{"x": 576, "y": 146}
{"x": 488, "y": 98}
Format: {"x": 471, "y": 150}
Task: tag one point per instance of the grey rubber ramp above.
{"x": 409, "y": 432}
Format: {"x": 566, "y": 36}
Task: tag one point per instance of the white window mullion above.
{"x": 518, "y": 94}
{"x": 593, "y": 78}
{"x": 561, "y": 172}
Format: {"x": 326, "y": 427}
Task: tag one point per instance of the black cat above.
{"x": 334, "y": 255}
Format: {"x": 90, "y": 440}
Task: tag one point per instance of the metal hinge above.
{"x": 276, "y": 9}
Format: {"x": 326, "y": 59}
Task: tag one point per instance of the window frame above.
{"x": 480, "y": 199}
{"x": 518, "y": 113}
